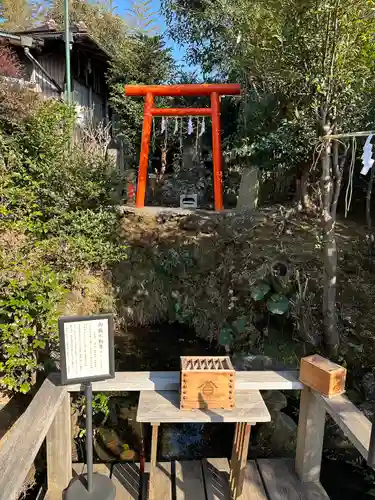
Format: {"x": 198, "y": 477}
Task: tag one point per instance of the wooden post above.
{"x": 242, "y": 460}
{"x": 310, "y": 436}
{"x": 59, "y": 449}
{"x": 154, "y": 449}
{"x": 234, "y": 458}
{"x": 145, "y": 148}
{"x": 216, "y": 151}
{"x": 239, "y": 459}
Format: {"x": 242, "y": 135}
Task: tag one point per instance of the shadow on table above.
{"x": 204, "y": 407}
{"x": 173, "y": 397}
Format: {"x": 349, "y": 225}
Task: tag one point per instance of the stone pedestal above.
{"x": 249, "y": 189}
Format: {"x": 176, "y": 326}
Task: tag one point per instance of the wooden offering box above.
{"x": 322, "y": 375}
{"x": 207, "y": 382}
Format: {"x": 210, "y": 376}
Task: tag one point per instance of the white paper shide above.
{"x": 87, "y": 348}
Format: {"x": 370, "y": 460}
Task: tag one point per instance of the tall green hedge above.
{"x": 56, "y": 218}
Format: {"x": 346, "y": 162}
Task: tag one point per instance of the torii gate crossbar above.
{"x": 202, "y": 89}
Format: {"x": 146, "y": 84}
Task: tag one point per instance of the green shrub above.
{"x": 15, "y": 106}
{"x": 44, "y": 174}
{"x": 27, "y": 323}
{"x": 83, "y": 238}
{"x": 59, "y": 196}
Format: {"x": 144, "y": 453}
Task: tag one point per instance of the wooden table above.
{"x": 164, "y": 407}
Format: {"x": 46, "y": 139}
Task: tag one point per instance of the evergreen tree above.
{"x": 15, "y": 14}
{"x": 148, "y": 62}
{"x": 142, "y": 18}
{"x": 106, "y": 27}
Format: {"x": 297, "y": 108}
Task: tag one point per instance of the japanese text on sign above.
{"x": 86, "y": 348}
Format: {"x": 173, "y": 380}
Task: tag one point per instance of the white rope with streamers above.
{"x": 197, "y": 139}
{"x": 153, "y": 136}
{"x": 175, "y": 126}
{"x": 190, "y": 126}
{"x": 203, "y": 127}
{"x": 181, "y": 137}
{"x": 163, "y": 124}
{"x": 349, "y": 188}
{"x": 166, "y": 134}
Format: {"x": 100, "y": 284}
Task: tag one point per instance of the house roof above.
{"x": 40, "y": 35}
{"x": 19, "y": 40}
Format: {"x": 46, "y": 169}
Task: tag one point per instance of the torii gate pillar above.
{"x": 215, "y": 91}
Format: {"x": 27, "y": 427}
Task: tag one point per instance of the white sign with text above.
{"x": 87, "y": 348}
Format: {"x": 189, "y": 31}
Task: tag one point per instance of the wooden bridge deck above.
{"x": 271, "y": 479}
{"x": 48, "y": 418}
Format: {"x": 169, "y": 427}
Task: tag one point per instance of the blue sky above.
{"x": 178, "y": 52}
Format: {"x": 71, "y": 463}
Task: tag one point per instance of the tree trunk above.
{"x": 330, "y": 255}
{"x": 303, "y": 197}
{"x": 338, "y": 169}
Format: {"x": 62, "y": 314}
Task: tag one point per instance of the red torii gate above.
{"x": 201, "y": 89}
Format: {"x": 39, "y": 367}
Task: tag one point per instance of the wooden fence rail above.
{"x": 49, "y": 417}
{"x": 354, "y": 424}
{"x": 170, "y": 381}
{"x": 20, "y": 445}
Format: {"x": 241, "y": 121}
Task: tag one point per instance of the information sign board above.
{"x": 87, "y": 348}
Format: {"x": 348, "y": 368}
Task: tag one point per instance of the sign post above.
{"x": 371, "y": 451}
{"x": 87, "y": 355}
